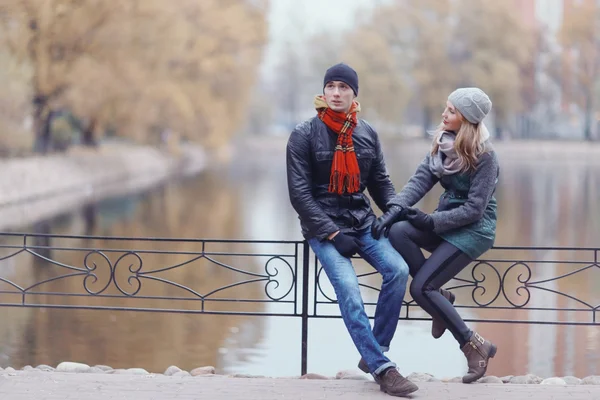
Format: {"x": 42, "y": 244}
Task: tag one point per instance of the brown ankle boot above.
{"x": 438, "y": 327}
{"x": 394, "y": 384}
{"x": 478, "y": 352}
{"x": 362, "y": 365}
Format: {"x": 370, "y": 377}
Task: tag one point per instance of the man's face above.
{"x": 338, "y": 96}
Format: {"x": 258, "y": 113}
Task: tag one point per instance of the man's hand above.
{"x": 346, "y": 245}
{"x": 419, "y": 219}
{"x": 385, "y": 222}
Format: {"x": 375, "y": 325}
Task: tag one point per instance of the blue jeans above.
{"x": 389, "y": 263}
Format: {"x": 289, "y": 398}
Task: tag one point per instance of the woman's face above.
{"x": 451, "y": 118}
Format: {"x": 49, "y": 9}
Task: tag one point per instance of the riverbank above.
{"x": 35, "y": 188}
{"x": 416, "y": 377}
{"x": 508, "y": 150}
{"x": 106, "y": 384}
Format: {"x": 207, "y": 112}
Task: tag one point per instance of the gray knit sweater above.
{"x": 466, "y": 213}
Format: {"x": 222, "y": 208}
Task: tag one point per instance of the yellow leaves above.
{"x": 580, "y": 37}
{"x": 418, "y": 52}
{"x": 579, "y": 24}
{"x": 381, "y": 87}
{"x": 142, "y": 65}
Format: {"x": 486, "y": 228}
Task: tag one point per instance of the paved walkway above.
{"x": 36, "y": 385}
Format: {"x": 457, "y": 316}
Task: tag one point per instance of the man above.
{"x": 331, "y": 159}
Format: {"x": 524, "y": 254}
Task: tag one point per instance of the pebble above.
{"x": 209, "y": 371}
{"x": 72, "y": 367}
{"x": 553, "y": 381}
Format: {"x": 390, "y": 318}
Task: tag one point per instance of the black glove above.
{"x": 385, "y": 222}
{"x": 346, "y": 245}
{"x": 419, "y": 219}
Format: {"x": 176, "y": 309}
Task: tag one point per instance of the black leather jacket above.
{"x": 309, "y": 156}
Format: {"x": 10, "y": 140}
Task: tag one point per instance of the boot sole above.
{"x": 365, "y": 370}
{"x": 491, "y": 354}
{"x": 401, "y": 394}
{"x": 452, "y": 299}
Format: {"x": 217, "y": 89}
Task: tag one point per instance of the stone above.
{"x": 181, "y": 374}
{"x": 421, "y": 377}
{"x": 351, "y": 374}
{"x": 28, "y": 368}
{"x": 132, "y": 371}
{"x": 591, "y": 380}
{"x": 208, "y": 370}
{"x": 312, "y": 375}
{"x": 506, "y": 379}
{"x": 72, "y": 367}
{"x": 528, "y": 379}
{"x": 172, "y": 370}
{"x": 490, "y": 379}
{"x": 104, "y": 367}
{"x": 571, "y": 380}
{"x": 118, "y": 371}
{"x": 10, "y": 370}
{"x": 96, "y": 370}
{"x": 553, "y": 381}
{"x": 45, "y": 368}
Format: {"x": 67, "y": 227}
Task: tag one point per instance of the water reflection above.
{"x": 540, "y": 202}
{"x": 204, "y": 207}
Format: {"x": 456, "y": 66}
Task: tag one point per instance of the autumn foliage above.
{"x": 134, "y": 67}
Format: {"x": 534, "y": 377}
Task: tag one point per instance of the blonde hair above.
{"x": 468, "y": 143}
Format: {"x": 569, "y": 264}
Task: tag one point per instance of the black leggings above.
{"x": 429, "y": 275}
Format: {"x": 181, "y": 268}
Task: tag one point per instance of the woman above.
{"x": 462, "y": 227}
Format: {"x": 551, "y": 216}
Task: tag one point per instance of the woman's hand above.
{"x": 419, "y": 219}
{"x": 385, "y": 222}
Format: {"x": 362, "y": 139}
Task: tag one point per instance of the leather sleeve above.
{"x": 299, "y": 174}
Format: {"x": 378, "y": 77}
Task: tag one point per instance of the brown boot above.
{"x": 394, "y": 384}
{"x": 478, "y": 352}
{"x": 362, "y": 365}
{"x": 438, "y": 327}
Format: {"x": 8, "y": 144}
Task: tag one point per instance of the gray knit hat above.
{"x": 472, "y": 103}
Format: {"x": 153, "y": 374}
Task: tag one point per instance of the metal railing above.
{"x": 531, "y": 285}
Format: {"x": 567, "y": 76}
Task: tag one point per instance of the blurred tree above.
{"x": 491, "y": 48}
{"x": 580, "y": 36}
{"x": 49, "y": 35}
{"x": 411, "y": 55}
{"x": 289, "y": 89}
{"x": 15, "y": 105}
{"x": 140, "y": 66}
{"x": 430, "y": 23}
{"x": 382, "y": 92}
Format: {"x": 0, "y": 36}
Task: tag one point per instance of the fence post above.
{"x": 305, "y": 274}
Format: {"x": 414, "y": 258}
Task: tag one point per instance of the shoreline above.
{"x": 39, "y": 187}
{"x": 68, "y": 367}
{"x": 510, "y": 150}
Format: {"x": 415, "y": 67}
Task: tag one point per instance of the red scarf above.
{"x": 345, "y": 173}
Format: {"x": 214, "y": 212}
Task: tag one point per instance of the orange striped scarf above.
{"x": 345, "y": 173}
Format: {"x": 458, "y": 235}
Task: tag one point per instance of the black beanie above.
{"x": 343, "y": 73}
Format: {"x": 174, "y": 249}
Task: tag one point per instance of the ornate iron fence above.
{"x": 530, "y": 285}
